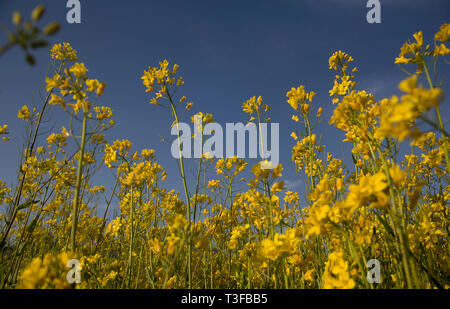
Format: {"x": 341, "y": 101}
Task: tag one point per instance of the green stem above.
{"x": 198, "y": 177}
{"x": 177, "y": 122}
{"x": 76, "y": 201}
{"x": 439, "y": 116}
{"x": 130, "y": 253}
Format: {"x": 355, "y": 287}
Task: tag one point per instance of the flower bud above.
{"x": 38, "y": 12}
{"x": 306, "y": 108}
{"x": 101, "y": 89}
{"x": 52, "y": 28}
{"x": 175, "y": 69}
{"x": 16, "y": 18}
{"x": 319, "y": 112}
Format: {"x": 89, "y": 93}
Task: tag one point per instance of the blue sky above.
{"x": 228, "y": 51}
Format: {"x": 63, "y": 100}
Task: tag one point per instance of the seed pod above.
{"x": 52, "y": 28}
{"x": 38, "y": 12}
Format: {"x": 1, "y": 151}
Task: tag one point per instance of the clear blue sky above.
{"x": 228, "y": 51}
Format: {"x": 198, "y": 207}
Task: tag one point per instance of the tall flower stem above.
{"x": 76, "y": 200}
{"x": 198, "y": 176}
{"x": 439, "y": 117}
{"x": 183, "y": 176}
{"x": 18, "y": 195}
{"x": 130, "y": 253}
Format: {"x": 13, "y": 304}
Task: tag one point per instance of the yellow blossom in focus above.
{"x": 78, "y": 69}
{"x": 24, "y": 113}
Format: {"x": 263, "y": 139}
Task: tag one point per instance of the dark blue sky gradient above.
{"x": 228, "y": 51}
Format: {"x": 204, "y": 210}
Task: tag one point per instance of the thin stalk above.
{"x": 22, "y": 180}
{"x": 76, "y": 200}
{"x": 130, "y": 252}
{"x": 439, "y": 116}
{"x": 183, "y": 176}
{"x": 198, "y": 177}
